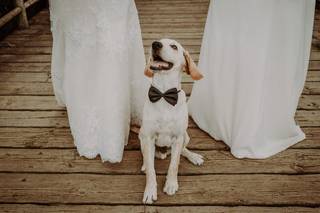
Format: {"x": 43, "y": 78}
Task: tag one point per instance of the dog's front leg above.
{"x": 150, "y": 193}
{"x": 171, "y": 185}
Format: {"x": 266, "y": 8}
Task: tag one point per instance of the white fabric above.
{"x": 97, "y": 72}
{"x": 254, "y": 58}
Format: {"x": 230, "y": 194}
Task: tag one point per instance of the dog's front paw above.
{"x": 196, "y": 159}
{"x": 150, "y": 194}
{"x": 171, "y": 186}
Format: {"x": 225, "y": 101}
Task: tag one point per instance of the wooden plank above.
{"x": 147, "y": 43}
{"x": 23, "y": 88}
{"x": 40, "y": 119}
{"x": 25, "y": 58}
{"x": 314, "y": 65}
{"x": 33, "y": 208}
{"x": 31, "y": 31}
{"x": 23, "y": 19}
{"x": 315, "y": 56}
{"x": 313, "y": 75}
{"x": 308, "y": 118}
{"x": 292, "y": 161}
{"x": 9, "y": 16}
{"x": 29, "y": 103}
{"x": 44, "y": 29}
{"x": 128, "y": 189}
{"x": 201, "y": 140}
{"x": 25, "y": 50}
{"x": 22, "y": 53}
{"x": 170, "y": 8}
{"x": 26, "y": 37}
{"x": 27, "y": 88}
{"x": 310, "y": 88}
{"x": 315, "y": 46}
{"x": 154, "y": 18}
{"x": 46, "y": 44}
{"x": 25, "y": 77}
{"x": 169, "y": 3}
{"x": 34, "y": 118}
{"x": 308, "y": 102}
{"x": 25, "y": 67}
{"x": 43, "y": 58}
{"x": 20, "y": 50}
{"x": 59, "y": 119}
{"x": 61, "y": 138}
{"x": 46, "y": 35}
{"x": 29, "y": 3}
{"x": 188, "y": 36}
{"x": 177, "y": 30}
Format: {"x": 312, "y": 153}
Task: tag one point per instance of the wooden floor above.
{"x": 40, "y": 170}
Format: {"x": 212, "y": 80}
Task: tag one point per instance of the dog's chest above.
{"x": 165, "y": 119}
{"x": 167, "y": 129}
{"x": 164, "y": 140}
{"x": 167, "y": 115}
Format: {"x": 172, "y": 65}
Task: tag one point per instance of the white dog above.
{"x": 165, "y": 114}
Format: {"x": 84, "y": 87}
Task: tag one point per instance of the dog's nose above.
{"x": 156, "y": 45}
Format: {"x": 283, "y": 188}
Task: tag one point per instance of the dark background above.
{"x": 8, "y": 5}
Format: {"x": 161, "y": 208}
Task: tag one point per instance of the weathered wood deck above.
{"x": 40, "y": 170}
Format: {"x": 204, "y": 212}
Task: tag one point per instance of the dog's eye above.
{"x": 173, "y": 46}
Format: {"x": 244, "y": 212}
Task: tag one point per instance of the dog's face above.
{"x": 168, "y": 55}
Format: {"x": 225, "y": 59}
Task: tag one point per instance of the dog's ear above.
{"x": 191, "y": 67}
{"x": 147, "y": 71}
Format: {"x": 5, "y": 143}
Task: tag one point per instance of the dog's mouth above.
{"x": 158, "y": 64}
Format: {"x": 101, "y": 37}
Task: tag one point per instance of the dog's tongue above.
{"x": 159, "y": 64}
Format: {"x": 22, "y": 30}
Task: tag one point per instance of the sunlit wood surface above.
{"x": 40, "y": 170}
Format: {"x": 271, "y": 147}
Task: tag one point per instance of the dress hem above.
{"x": 276, "y": 146}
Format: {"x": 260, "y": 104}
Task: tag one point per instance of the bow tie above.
{"x": 171, "y": 95}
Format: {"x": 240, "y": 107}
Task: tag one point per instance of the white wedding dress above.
{"x": 97, "y": 72}
{"x": 254, "y": 58}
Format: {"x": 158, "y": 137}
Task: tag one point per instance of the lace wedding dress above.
{"x": 97, "y": 72}
{"x": 254, "y": 58}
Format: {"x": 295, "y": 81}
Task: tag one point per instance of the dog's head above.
{"x": 167, "y": 55}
